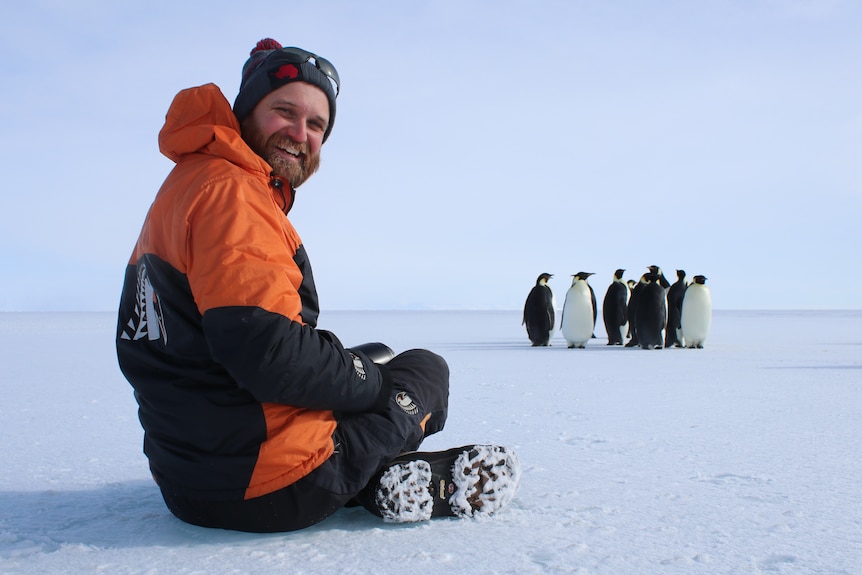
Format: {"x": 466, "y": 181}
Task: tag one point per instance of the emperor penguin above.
{"x": 660, "y": 275}
{"x": 696, "y": 314}
{"x": 579, "y": 312}
{"x": 539, "y": 312}
{"x": 614, "y": 309}
{"x": 651, "y": 312}
{"x": 672, "y": 336}
{"x": 593, "y": 302}
{"x": 635, "y": 293}
{"x": 632, "y": 284}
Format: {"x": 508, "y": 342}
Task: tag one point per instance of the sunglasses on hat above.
{"x": 300, "y": 56}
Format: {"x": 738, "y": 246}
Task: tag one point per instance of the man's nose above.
{"x": 298, "y": 132}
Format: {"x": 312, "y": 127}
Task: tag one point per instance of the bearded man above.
{"x": 253, "y": 418}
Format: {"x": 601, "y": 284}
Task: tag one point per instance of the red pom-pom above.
{"x": 265, "y": 44}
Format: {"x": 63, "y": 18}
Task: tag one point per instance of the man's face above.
{"x": 286, "y": 129}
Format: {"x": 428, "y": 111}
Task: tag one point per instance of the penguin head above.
{"x": 680, "y": 274}
{"x": 651, "y": 278}
{"x": 618, "y": 275}
{"x": 699, "y": 279}
{"x": 581, "y": 276}
{"x": 659, "y": 276}
{"x": 543, "y": 279}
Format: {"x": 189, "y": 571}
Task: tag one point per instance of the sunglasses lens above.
{"x": 327, "y": 68}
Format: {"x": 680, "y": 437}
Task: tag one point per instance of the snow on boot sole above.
{"x": 466, "y": 481}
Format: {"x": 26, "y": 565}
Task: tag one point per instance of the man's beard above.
{"x": 296, "y": 173}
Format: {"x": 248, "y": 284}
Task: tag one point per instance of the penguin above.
{"x": 696, "y": 314}
{"x": 579, "y": 312}
{"x": 539, "y": 312}
{"x": 614, "y": 309}
{"x": 660, "y": 276}
{"x": 634, "y": 300}
{"x": 593, "y": 302}
{"x": 632, "y": 284}
{"x": 651, "y": 312}
{"x": 672, "y": 336}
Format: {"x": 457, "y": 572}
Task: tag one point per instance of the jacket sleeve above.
{"x": 246, "y": 284}
{"x": 282, "y": 361}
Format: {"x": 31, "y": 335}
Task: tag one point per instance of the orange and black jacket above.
{"x": 216, "y": 329}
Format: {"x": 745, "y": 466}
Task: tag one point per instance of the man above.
{"x": 253, "y": 419}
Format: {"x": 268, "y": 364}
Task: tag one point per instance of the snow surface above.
{"x": 742, "y": 457}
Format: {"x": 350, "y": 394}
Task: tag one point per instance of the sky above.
{"x": 477, "y": 144}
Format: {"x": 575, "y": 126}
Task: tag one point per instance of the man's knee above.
{"x": 424, "y": 375}
{"x": 421, "y": 360}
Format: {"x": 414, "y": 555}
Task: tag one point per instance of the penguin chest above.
{"x": 577, "y": 324}
{"x": 696, "y": 314}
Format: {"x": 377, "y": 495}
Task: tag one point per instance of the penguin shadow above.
{"x": 596, "y": 346}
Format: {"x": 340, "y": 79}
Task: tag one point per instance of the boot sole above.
{"x": 466, "y": 481}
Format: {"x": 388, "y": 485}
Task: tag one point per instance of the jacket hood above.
{"x": 200, "y": 120}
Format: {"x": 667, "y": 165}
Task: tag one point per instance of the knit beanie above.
{"x": 270, "y": 66}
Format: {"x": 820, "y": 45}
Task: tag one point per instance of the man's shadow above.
{"x": 121, "y": 515}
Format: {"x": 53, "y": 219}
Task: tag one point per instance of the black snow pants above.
{"x": 364, "y": 444}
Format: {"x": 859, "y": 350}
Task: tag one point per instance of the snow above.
{"x": 742, "y": 457}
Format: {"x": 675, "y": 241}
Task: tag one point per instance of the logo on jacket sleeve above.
{"x": 358, "y": 366}
{"x": 147, "y": 320}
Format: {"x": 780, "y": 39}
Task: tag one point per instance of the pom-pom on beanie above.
{"x": 269, "y": 67}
